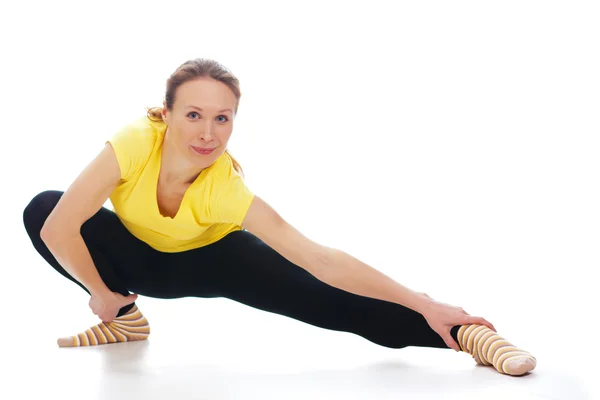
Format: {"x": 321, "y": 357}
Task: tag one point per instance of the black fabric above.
{"x": 239, "y": 267}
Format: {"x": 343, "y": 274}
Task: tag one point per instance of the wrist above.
{"x": 101, "y": 292}
{"x": 423, "y": 302}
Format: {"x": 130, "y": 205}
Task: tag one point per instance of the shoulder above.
{"x": 143, "y": 130}
{"x": 230, "y": 197}
{"x": 134, "y": 143}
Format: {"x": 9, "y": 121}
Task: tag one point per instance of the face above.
{"x": 199, "y": 120}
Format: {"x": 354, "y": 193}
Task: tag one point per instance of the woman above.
{"x": 185, "y": 224}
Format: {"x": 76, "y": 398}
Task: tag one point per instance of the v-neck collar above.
{"x": 155, "y": 178}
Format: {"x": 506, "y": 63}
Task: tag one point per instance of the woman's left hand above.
{"x": 441, "y": 317}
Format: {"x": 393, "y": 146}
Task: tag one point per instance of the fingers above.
{"x": 450, "y": 342}
{"x": 476, "y": 320}
{"x": 107, "y": 316}
{"x": 131, "y": 298}
{"x": 489, "y": 324}
{"x": 448, "y": 339}
{"x": 480, "y": 321}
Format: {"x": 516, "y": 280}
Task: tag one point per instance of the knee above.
{"x": 38, "y": 209}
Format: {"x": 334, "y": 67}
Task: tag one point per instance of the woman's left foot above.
{"x": 489, "y": 348}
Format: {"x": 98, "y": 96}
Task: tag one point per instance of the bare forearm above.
{"x": 72, "y": 254}
{"x": 343, "y": 271}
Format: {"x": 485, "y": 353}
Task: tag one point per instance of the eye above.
{"x": 194, "y": 112}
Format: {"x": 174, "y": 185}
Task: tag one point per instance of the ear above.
{"x": 163, "y": 113}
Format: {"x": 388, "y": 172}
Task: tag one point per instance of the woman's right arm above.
{"x": 62, "y": 230}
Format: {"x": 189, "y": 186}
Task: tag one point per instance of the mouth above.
{"x": 202, "y": 150}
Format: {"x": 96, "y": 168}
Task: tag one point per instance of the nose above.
{"x": 206, "y": 133}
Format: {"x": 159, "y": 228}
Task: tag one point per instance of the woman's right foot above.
{"x": 489, "y": 348}
{"x": 126, "y": 328}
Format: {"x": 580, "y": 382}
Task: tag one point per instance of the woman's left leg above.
{"x": 246, "y": 270}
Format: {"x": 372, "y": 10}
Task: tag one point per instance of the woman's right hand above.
{"x": 107, "y": 306}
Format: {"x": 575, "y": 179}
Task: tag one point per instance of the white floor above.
{"x": 229, "y": 351}
{"x": 461, "y": 159}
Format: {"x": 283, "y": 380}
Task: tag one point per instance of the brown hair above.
{"x": 193, "y": 69}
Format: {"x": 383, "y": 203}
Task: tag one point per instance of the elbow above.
{"x": 51, "y": 232}
{"x": 47, "y": 233}
{"x": 50, "y": 227}
{"x": 58, "y": 226}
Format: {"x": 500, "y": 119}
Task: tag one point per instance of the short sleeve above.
{"x": 133, "y": 146}
{"x": 232, "y": 201}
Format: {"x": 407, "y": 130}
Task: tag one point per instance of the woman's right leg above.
{"x": 120, "y": 259}
{"x": 100, "y": 233}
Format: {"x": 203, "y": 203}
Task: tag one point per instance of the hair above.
{"x": 194, "y": 69}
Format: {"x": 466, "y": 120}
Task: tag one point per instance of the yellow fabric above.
{"x": 213, "y": 206}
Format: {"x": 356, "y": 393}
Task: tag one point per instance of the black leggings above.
{"x": 239, "y": 267}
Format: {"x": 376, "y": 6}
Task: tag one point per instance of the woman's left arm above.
{"x": 332, "y": 266}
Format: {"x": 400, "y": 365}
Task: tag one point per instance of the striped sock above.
{"x": 126, "y": 328}
{"x": 489, "y": 348}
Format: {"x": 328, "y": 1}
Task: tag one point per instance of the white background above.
{"x": 452, "y": 145}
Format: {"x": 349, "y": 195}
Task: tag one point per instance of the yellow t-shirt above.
{"x": 214, "y": 205}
